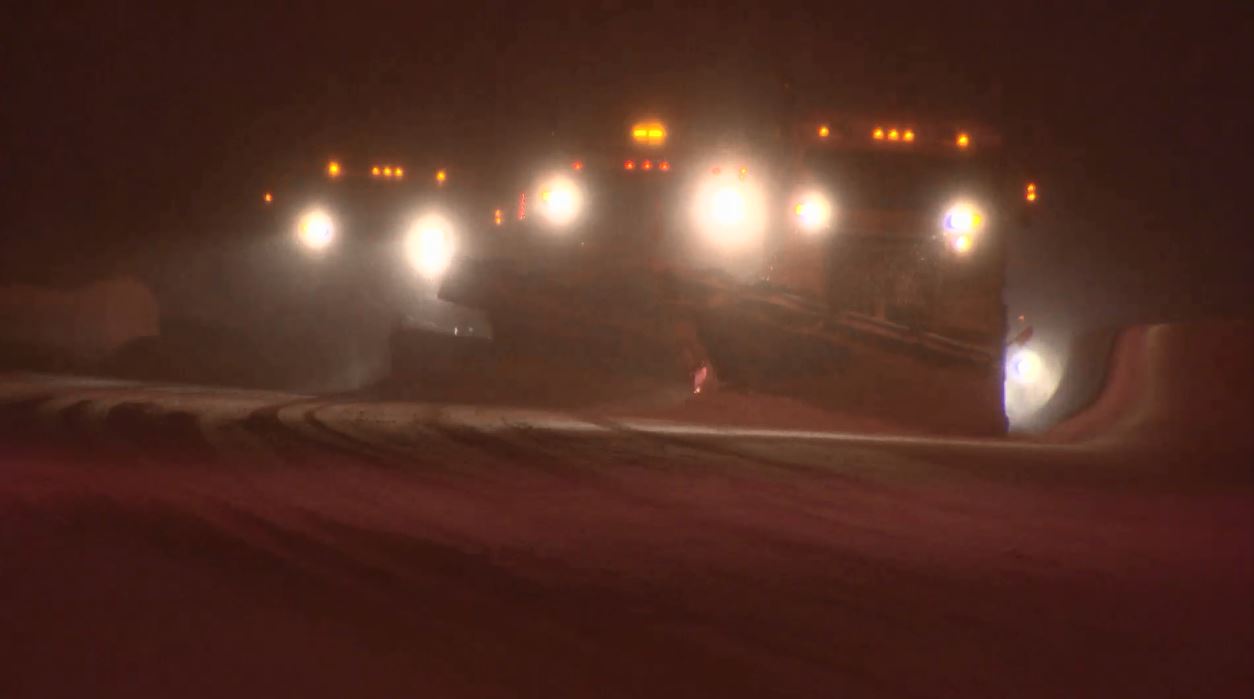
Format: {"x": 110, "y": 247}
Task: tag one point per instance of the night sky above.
{"x": 124, "y": 126}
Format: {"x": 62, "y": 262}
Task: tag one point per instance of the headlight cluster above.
{"x": 961, "y": 224}
{"x": 315, "y": 230}
{"x": 429, "y": 246}
{"x": 813, "y": 212}
{"x": 559, "y": 201}
{"x": 729, "y": 212}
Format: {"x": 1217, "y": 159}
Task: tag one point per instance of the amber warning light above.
{"x": 892, "y": 133}
{"x": 387, "y": 171}
{"x": 649, "y": 133}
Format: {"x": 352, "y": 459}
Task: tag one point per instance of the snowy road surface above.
{"x": 176, "y": 541}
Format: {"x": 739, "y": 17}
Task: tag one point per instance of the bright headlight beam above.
{"x": 560, "y": 201}
{"x": 1025, "y": 366}
{"x": 813, "y": 212}
{"x": 429, "y": 246}
{"x": 727, "y": 206}
{"x": 729, "y": 212}
{"x": 962, "y": 218}
{"x": 1032, "y": 374}
{"x": 315, "y": 230}
{"x": 962, "y": 222}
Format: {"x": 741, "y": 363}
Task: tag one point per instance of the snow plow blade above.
{"x": 662, "y": 328}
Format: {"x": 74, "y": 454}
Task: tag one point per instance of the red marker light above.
{"x": 646, "y": 165}
{"x": 664, "y": 166}
{"x": 716, "y": 170}
{"x": 522, "y": 205}
{"x": 577, "y": 165}
{"x": 629, "y": 165}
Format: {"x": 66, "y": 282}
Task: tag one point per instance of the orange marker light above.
{"x": 577, "y": 165}
{"x": 963, "y": 140}
{"x": 375, "y": 171}
{"x": 441, "y": 176}
{"x": 1030, "y": 193}
{"x": 649, "y": 133}
{"x": 824, "y": 131}
{"x": 387, "y": 171}
{"x": 629, "y": 165}
{"x": 268, "y": 197}
{"x": 878, "y": 134}
{"x": 399, "y": 172}
{"x": 893, "y": 135}
{"x": 664, "y": 166}
{"x": 646, "y": 165}
{"x": 498, "y": 217}
{"x": 744, "y": 172}
{"x": 333, "y": 169}
{"x": 908, "y": 136}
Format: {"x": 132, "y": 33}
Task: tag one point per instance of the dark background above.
{"x": 128, "y": 128}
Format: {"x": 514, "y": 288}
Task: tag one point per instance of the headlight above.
{"x": 315, "y": 230}
{"x": 429, "y": 246}
{"x": 961, "y": 224}
{"x": 1024, "y": 366}
{"x": 729, "y": 212}
{"x": 962, "y": 218}
{"x": 961, "y": 243}
{"x": 813, "y": 212}
{"x": 559, "y": 201}
{"x": 1033, "y": 375}
{"x": 727, "y": 207}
